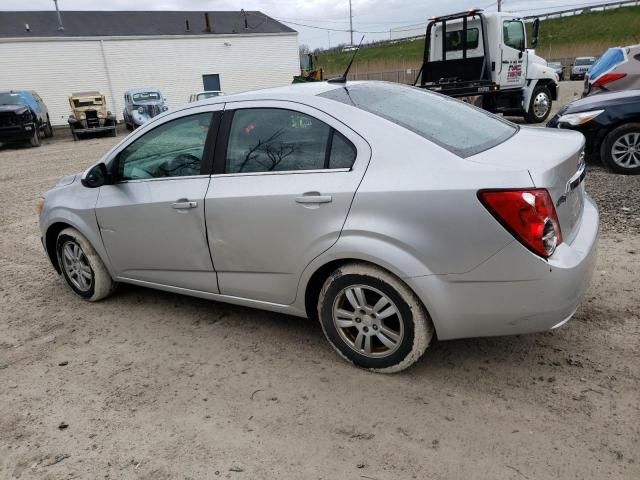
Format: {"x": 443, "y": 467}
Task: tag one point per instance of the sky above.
{"x": 325, "y": 20}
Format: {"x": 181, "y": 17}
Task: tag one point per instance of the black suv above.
{"x": 23, "y": 117}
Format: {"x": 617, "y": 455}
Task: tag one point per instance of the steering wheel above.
{"x": 182, "y": 165}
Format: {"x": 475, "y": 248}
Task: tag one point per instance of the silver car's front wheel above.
{"x": 76, "y": 266}
{"x": 373, "y": 319}
{"x": 81, "y": 266}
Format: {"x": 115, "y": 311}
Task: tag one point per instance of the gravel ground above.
{"x": 151, "y": 385}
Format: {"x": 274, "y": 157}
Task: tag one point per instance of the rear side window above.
{"x": 343, "y": 153}
{"x": 455, "y": 126}
{"x": 281, "y": 140}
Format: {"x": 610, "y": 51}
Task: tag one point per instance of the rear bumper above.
{"x": 514, "y": 292}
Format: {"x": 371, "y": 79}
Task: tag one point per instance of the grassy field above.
{"x": 561, "y": 38}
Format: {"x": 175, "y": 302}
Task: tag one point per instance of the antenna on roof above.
{"x": 343, "y": 78}
{"x": 60, "y": 26}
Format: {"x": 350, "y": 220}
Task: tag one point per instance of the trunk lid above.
{"x": 555, "y": 161}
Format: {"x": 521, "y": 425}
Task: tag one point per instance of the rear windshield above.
{"x": 454, "y": 125}
{"x": 610, "y": 59}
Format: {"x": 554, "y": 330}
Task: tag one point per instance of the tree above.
{"x": 304, "y": 49}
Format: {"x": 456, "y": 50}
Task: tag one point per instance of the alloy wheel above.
{"x": 625, "y": 151}
{"x": 76, "y": 266}
{"x": 368, "y": 321}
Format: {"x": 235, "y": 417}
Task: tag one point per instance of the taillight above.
{"x": 608, "y": 78}
{"x": 529, "y": 215}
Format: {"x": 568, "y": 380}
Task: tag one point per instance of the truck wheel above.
{"x": 48, "y": 129}
{"x": 539, "y": 106}
{"x": 373, "y": 319}
{"x": 620, "y": 149}
{"x": 34, "y": 141}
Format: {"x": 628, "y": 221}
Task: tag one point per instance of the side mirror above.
{"x": 536, "y": 32}
{"x": 96, "y": 176}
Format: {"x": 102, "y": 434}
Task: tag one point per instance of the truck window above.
{"x": 513, "y": 34}
{"x": 454, "y": 40}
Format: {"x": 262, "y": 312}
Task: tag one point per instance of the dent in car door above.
{"x": 153, "y": 229}
{"x": 265, "y": 228}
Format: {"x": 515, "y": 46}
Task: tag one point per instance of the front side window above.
{"x": 454, "y": 40}
{"x": 173, "y": 149}
{"x": 273, "y": 139}
{"x": 454, "y": 125}
{"x": 514, "y": 34}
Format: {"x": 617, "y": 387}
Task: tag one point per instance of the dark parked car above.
{"x": 23, "y": 117}
{"x": 558, "y": 68}
{"x": 611, "y": 124}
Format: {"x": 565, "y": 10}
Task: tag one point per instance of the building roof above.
{"x": 135, "y": 23}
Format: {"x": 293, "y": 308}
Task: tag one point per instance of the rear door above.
{"x": 513, "y": 70}
{"x": 282, "y": 186}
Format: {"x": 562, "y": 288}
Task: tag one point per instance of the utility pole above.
{"x": 499, "y": 5}
{"x": 60, "y": 26}
{"x": 351, "y": 22}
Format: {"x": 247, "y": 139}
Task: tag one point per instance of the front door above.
{"x": 152, "y": 219}
{"x": 281, "y": 195}
{"x": 513, "y": 71}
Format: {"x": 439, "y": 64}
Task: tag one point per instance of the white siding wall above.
{"x": 55, "y": 69}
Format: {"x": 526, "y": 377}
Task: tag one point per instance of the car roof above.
{"x": 289, "y": 92}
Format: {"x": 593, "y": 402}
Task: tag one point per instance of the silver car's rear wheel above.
{"x": 368, "y": 321}
{"x": 373, "y": 319}
{"x": 81, "y": 266}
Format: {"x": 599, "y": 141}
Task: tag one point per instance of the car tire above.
{"x": 48, "y": 129}
{"x": 34, "y": 140}
{"x": 81, "y": 266}
{"x": 620, "y": 150}
{"x": 539, "y": 105}
{"x": 351, "y": 306}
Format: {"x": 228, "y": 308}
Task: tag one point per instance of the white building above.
{"x": 178, "y": 52}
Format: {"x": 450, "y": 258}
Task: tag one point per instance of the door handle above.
{"x": 506, "y": 62}
{"x": 184, "y": 205}
{"x": 306, "y": 199}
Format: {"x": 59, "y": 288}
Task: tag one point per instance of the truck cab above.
{"x": 476, "y": 54}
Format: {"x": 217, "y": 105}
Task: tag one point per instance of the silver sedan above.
{"x": 388, "y": 213}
